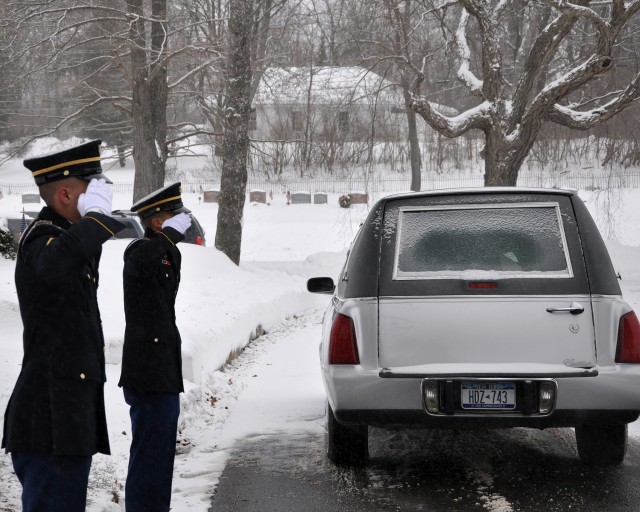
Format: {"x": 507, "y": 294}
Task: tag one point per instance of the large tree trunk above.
{"x": 150, "y": 92}
{"x": 414, "y": 144}
{"x": 503, "y": 158}
{"x": 236, "y": 141}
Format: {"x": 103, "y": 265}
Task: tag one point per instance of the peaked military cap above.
{"x": 166, "y": 199}
{"x": 81, "y": 161}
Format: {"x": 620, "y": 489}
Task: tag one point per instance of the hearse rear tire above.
{"x": 602, "y": 445}
{"x": 347, "y": 445}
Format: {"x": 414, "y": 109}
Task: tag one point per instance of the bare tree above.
{"x": 400, "y": 14}
{"x": 236, "y": 139}
{"x": 85, "y": 63}
{"x": 150, "y": 91}
{"x": 389, "y": 36}
{"x": 247, "y": 37}
{"x": 540, "y": 67}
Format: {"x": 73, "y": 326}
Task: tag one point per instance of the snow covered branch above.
{"x": 464, "y": 73}
{"x": 568, "y": 83}
{"x": 583, "y": 120}
{"x": 580, "y": 11}
{"x": 477, "y": 117}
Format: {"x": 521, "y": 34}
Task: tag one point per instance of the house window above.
{"x": 296, "y": 121}
{"x": 253, "y": 120}
{"x": 343, "y": 121}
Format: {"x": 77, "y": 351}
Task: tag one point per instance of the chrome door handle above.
{"x": 575, "y": 309}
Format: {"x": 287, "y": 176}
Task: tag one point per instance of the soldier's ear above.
{"x": 64, "y": 195}
{"x": 68, "y": 191}
{"x": 156, "y": 222}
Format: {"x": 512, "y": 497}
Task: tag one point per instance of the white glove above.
{"x": 97, "y": 198}
{"x": 180, "y": 222}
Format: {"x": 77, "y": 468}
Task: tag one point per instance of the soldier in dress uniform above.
{"x": 151, "y": 375}
{"x": 55, "y": 418}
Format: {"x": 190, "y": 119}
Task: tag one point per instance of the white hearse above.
{"x": 479, "y": 308}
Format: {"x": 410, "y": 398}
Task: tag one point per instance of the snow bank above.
{"x": 220, "y": 307}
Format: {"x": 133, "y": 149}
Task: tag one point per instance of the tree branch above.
{"x": 464, "y": 73}
{"x": 583, "y": 120}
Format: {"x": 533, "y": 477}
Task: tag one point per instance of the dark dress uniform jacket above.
{"x": 151, "y": 358}
{"x": 57, "y": 405}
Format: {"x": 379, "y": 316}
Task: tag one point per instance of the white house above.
{"x": 327, "y": 104}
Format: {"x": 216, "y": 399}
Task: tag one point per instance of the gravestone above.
{"x": 32, "y": 202}
{"x": 15, "y": 227}
{"x": 301, "y": 198}
{"x": 320, "y": 198}
{"x": 359, "y": 198}
{"x": 257, "y": 196}
{"x": 210, "y": 196}
{"x": 30, "y": 198}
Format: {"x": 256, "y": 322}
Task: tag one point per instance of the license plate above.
{"x": 488, "y": 395}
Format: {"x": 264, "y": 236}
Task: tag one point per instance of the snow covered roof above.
{"x": 326, "y": 85}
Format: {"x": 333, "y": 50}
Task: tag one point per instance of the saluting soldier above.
{"x": 55, "y": 418}
{"x": 151, "y": 361}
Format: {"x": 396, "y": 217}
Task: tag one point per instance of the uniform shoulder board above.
{"x": 36, "y": 224}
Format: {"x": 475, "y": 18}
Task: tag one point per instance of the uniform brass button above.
{"x": 94, "y": 279}
{"x": 82, "y": 376}
{"x": 167, "y": 275}
{"x": 88, "y": 276}
{"x": 155, "y": 340}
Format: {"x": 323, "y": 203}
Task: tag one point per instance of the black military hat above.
{"x": 81, "y": 161}
{"x": 167, "y": 199}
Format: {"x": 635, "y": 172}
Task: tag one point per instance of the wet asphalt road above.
{"x": 493, "y": 470}
{"x": 281, "y": 466}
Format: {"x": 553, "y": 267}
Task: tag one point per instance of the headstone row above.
{"x": 260, "y": 196}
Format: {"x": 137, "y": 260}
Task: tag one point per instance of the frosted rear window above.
{"x": 483, "y": 241}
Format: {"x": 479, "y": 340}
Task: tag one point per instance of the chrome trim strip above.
{"x": 339, "y": 300}
{"x": 484, "y": 191}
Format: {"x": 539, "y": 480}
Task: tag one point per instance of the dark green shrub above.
{"x": 344, "y": 201}
{"x": 7, "y": 245}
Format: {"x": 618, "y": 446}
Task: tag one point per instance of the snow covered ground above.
{"x": 220, "y": 307}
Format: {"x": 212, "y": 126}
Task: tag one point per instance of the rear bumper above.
{"x": 395, "y": 418}
{"x": 603, "y": 395}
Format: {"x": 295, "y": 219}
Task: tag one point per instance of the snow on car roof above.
{"x": 484, "y": 190}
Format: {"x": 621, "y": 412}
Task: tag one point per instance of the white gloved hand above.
{"x": 180, "y": 222}
{"x": 97, "y": 198}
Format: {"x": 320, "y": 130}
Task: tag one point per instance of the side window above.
{"x": 482, "y": 241}
{"x": 296, "y": 121}
{"x": 253, "y": 120}
{"x": 343, "y": 121}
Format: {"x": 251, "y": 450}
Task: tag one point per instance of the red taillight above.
{"x": 483, "y": 285}
{"x": 628, "y": 350}
{"x": 343, "y": 348}
{"x": 198, "y": 240}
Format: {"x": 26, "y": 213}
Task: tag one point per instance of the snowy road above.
{"x": 275, "y": 435}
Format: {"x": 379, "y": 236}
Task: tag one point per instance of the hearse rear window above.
{"x": 481, "y": 241}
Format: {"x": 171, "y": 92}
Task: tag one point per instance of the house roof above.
{"x": 326, "y": 85}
